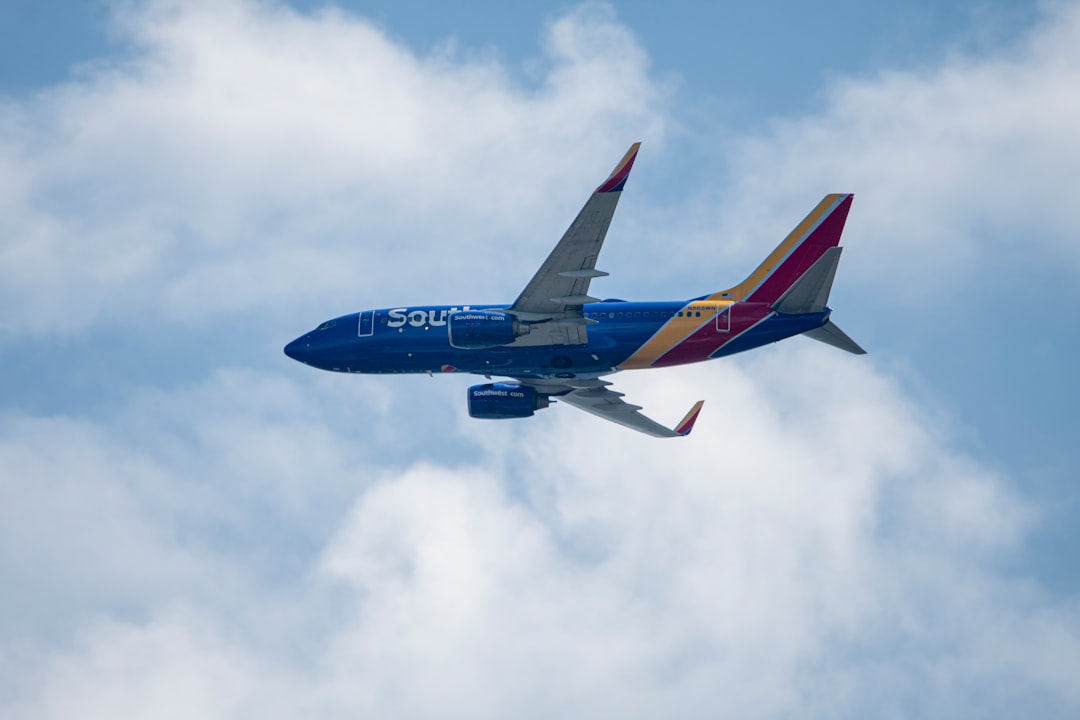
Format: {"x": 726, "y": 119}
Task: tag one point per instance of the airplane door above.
{"x": 723, "y": 319}
{"x": 367, "y": 323}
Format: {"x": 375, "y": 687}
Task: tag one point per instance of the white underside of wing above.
{"x": 593, "y": 396}
{"x": 610, "y": 406}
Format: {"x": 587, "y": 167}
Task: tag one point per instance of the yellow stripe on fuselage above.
{"x": 740, "y": 291}
{"x": 673, "y": 332}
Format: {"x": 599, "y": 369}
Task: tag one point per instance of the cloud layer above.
{"x": 243, "y": 145}
{"x": 829, "y": 553}
{"x": 962, "y": 170}
{"x": 235, "y": 539}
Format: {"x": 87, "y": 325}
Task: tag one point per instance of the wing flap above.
{"x": 583, "y": 274}
{"x": 574, "y": 299}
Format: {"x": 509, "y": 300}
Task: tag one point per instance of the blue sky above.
{"x": 193, "y": 521}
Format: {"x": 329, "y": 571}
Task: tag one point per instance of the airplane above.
{"x": 556, "y": 342}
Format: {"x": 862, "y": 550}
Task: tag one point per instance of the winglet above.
{"x": 618, "y": 176}
{"x": 687, "y": 423}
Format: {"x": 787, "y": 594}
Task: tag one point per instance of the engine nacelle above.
{"x": 501, "y": 401}
{"x": 477, "y": 329}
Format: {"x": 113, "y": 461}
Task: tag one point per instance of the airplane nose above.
{"x": 298, "y": 349}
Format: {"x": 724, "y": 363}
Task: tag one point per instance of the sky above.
{"x": 191, "y": 524}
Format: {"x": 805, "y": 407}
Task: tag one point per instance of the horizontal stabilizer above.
{"x": 810, "y": 293}
{"x": 832, "y": 335}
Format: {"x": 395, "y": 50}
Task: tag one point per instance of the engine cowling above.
{"x": 502, "y": 401}
{"x": 477, "y": 329}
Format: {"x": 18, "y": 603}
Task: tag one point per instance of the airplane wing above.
{"x": 561, "y": 286}
{"x": 593, "y": 396}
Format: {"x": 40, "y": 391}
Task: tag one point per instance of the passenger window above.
{"x": 697, "y": 314}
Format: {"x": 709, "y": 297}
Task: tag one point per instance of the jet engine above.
{"x": 477, "y": 329}
{"x": 501, "y": 401}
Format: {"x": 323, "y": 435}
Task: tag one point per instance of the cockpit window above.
{"x": 327, "y": 324}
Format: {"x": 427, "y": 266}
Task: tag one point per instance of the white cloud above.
{"x": 172, "y": 667}
{"x": 249, "y": 157}
{"x": 964, "y": 172}
{"x": 816, "y": 546}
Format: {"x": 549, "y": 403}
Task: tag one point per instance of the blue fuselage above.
{"x": 415, "y": 340}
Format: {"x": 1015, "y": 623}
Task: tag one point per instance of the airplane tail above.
{"x": 810, "y": 295}
{"x": 798, "y": 253}
{"x": 798, "y": 275}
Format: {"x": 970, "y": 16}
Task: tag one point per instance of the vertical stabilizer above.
{"x": 804, "y": 246}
